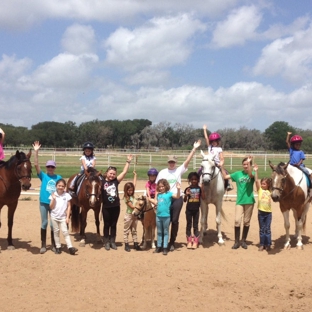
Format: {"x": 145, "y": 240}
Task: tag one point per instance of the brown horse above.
{"x": 289, "y": 188}
{"x": 15, "y": 175}
{"x": 89, "y": 196}
{"x": 146, "y": 213}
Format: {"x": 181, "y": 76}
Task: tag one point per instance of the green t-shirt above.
{"x": 244, "y": 184}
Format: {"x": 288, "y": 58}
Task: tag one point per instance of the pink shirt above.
{"x": 1, "y": 151}
{"x": 152, "y": 188}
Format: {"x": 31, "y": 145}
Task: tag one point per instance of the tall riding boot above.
{"x": 53, "y": 247}
{"x": 237, "y": 234}
{"x": 137, "y": 246}
{"x": 244, "y": 236}
{"x": 173, "y": 235}
{"x": 43, "y": 235}
{"x": 106, "y": 243}
{"x": 112, "y": 243}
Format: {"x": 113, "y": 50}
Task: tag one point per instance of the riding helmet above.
{"x": 152, "y": 171}
{"x": 214, "y": 136}
{"x": 296, "y": 139}
{"x": 88, "y": 145}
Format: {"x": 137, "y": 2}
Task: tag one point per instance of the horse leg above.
{"x": 287, "y": 226}
{"x": 97, "y": 224}
{"x": 11, "y": 211}
{"x": 299, "y": 225}
{"x": 218, "y": 223}
{"x": 203, "y": 220}
{"x": 153, "y": 237}
{"x": 83, "y": 224}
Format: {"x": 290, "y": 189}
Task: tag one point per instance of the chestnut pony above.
{"x": 15, "y": 175}
{"x": 89, "y": 196}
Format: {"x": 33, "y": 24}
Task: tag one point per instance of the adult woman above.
{"x": 245, "y": 200}
{"x": 48, "y": 186}
{"x": 111, "y": 203}
{"x": 173, "y": 175}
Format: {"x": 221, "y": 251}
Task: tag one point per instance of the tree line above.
{"x": 141, "y": 133}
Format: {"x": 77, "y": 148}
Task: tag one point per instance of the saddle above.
{"x": 78, "y": 182}
{"x": 307, "y": 176}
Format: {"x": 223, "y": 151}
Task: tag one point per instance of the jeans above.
{"x": 162, "y": 224}
{"x": 44, "y": 212}
{"x": 265, "y": 219}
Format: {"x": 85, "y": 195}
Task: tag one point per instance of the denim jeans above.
{"x": 162, "y": 224}
{"x": 265, "y": 219}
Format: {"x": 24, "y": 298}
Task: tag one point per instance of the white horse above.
{"x": 289, "y": 188}
{"x": 213, "y": 189}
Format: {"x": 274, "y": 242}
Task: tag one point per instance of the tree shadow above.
{"x": 19, "y": 244}
{"x": 210, "y": 238}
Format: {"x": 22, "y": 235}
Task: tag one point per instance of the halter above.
{"x": 88, "y": 195}
{"x": 141, "y": 210}
{"x": 211, "y": 174}
{"x": 16, "y": 170}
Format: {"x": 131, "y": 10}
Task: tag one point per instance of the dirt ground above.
{"x": 211, "y": 278}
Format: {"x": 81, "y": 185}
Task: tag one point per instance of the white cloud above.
{"x": 78, "y": 39}
{"x": 149, "y": 77}
{"x": 240, "y": 25}
{"x": 290, "y": 58}
{"x": 160, "y": 43}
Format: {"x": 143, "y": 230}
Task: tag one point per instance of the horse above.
{"x": 145, "y": 212}
{"x": 290, "y": 189}
{"x": 15, "y": 175}
{"x": 213, "y": 191}
{"x": 89, "y": 196}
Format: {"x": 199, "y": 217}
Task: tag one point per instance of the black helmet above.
{"x": 88, "y": 145}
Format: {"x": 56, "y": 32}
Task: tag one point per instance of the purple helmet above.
{"x": 152, "y": 171}
{"x": 214, "y": 136}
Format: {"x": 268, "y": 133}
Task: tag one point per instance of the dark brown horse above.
{"x": 89, "y": 196}
{"x": 15, "y": 175}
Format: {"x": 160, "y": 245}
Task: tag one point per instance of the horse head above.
{"x": 93, "y": 186}
{"x": 279, "y": 175}
{"x": 140, "y": 206}
{"x": 23, "y": 169}
{"x": 208, "y": 167}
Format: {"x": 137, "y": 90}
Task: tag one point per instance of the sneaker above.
{"x": 157, "y": 250}
{"x": 72, "y": 250}
{"x": 165, "y": 252}
{"x": 58, "y": 251}
{"x": 268, "y": 248}
{"x": 171, "y": 247}
{"x": 261, "y": 248}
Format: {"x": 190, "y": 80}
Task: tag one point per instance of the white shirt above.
{"x": 215, "y": 151}
{"x": 88, "y": 161}
{"x": 61, "y": 201}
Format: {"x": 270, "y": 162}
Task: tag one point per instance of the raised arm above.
{"x": 258, "y": 185}
{"x": 134, "y": 178}
{"x": 36, "y": 147}
{"x": 249, "y": 159}
{"x": 125, "y": 169}
{"x": 191, "y": 154}
{"x": 3, "y": 135}
{"x": 206, "y": 135}
{"x": 288, "y": 139}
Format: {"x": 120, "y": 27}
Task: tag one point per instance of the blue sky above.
{"x": 227, "y": 64}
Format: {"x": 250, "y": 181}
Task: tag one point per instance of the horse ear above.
{"x": 29, "y": 154}
{"x": 86, "y": 172}
{"x": 271, "y": 165}
{"x": 202, "y": 153}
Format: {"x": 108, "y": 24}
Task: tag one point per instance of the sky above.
{"x": 226, "y": 64}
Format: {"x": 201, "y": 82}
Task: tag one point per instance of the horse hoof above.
{"x": 11, "y": 247}
{"x": 221, "y": 244}
{"x": 300, "y": 247}
{"x": 82, "y": 244}
{"x": 287, "y": 247}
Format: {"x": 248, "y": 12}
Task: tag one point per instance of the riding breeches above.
{"x": 243, "y": 212}
{"x": 44, "y": 213}
{"x": 130, "y": 225}
{"x": 61, "y": 225}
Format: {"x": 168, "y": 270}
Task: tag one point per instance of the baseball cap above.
{"x": 51, "y": 163}
{"x": 172, "y": 158}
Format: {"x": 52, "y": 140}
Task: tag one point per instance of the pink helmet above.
{"x": 214, "y": 136}
{"x": 296, "y": 138}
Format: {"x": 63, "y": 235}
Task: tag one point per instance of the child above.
{"x": 163, "y": 202}
{"x": 214, "y": 148}
{"x": 111, "y": 203}
{"x": 192, "y": 195}
{"x": 2, "y": 136}
{"x": 244, "y": 201}
{"x": 60, "y": 213}
{"x": 150, "y": 185}
{"x": 296, "y": 154}
{"x": 130, "y": 221}
{"x": 264, "y": 210}
{"x": 87, "y": 161}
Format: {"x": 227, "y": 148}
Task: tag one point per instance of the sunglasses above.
{"x": 50, "y": 167}
{"x": 112, "y": 168}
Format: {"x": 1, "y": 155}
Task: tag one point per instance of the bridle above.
{"x": 98, "y": 184}
{"x": 210, "y": 174}
{"x": 20, "y": 162}
{"x": 142, "y": 209}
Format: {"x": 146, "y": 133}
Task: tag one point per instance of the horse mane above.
{"x": 10, "y": 162}
{"x": 280, "y": 168}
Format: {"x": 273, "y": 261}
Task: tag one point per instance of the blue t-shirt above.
{"x": 296, "y": 156}
{"x": 47, "y": 186}
{"x": 163, "y": 204}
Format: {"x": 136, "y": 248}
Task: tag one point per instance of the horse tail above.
{"x": 75, "y": 224}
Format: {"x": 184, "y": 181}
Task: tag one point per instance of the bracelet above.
{"x": 128, "y": 161}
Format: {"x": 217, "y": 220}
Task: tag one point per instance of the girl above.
{"x": 214, "y": 148}
{"x": 150, "y": 185}
{"x": 48, "y": 181}
{"x": 130, "y": 221}
{"x": 60, "y": 213}
{"x": 163, "y": 202}
{"x": 192, "y": 197}
{"x": 263, "y": 187}
{"x": 87, "y": 161}
{"x": 2, "y": 136}
{"x": 296, "y": 154}
{"x": 244, "y": 201}
{"x": 111, "y": 203}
